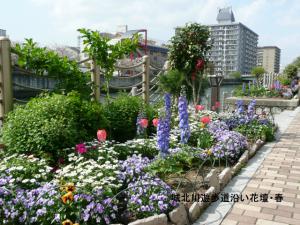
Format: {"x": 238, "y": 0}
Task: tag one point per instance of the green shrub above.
{"x": 122, "y": 114}
{"x": 284, "y": 80}
{"x": 50, "y": 123}
{"x": 255, "y": 130}
{"x": 201, "y": 138}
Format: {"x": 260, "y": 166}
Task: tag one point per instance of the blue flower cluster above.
{"x": 149, "y": 195}
{"x": 241, "y": 116}
{"x": 36, "y": 205}
{"x": 217, "y": 126}
{"x": 230, "y": 145}
{"x": 164, "y": 127}
{"x": 133, "y": 167}
{"x": 185, "y": 132}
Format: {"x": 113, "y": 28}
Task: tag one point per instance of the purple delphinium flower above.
{"x": 251, "y": 110}
{"x": 277, "y": 85}
{"x": 163, "y": 128}
{"x": 183, "y": 120}
{"x": 240, "y": 106}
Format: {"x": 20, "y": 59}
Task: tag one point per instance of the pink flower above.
{"x": 143, "y": 123}
{"x": 218, "y": 104}
{"x": 199, "y": 107}
{"x": 80, "y": 148}
{"x": 213, "y": 108}
{"x": 205, "y": 119}
{"x": 155, "y": 122}
{"x": 101, "y": 135}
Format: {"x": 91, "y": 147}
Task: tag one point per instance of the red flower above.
{"x": 143, "y": 123}
{"x": 205, "y": 119}
{"x": 199, "y": 107}
{"x": 200, "y": 64}
{"x": 101, "y": 135}
{"x": 80, "y": 148}
{"x": 155, "y": 122}
{"x": 218, "y": 104}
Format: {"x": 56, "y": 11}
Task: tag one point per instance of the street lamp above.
{"x": 215, "y": 83}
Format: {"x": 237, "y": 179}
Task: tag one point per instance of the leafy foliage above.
{"x": 175, "y": 163}
{"x": 171, "y": 82}
{"x": 236, "y": 75}
{"x": 52, "y": 122}
{"x": 201, "y": 138}
{"x": 106, "y": 55}
{"x": 45, "y": 62}
{"x": 122, "y": 114}
{"x": 256, "y": 130}
{"x": 291, "y": 71}
{"x": 257, "y": 71}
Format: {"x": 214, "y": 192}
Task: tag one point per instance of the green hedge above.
{"x": 122, "y": 114}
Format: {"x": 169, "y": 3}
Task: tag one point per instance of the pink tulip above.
{"x": 155, "y": 122}
{"x": 205, "y": 119}
{"x": 80, "y": 148}
{"x": 199, "y": 107}
{"x": 218, "y": 104}
{"x": 101, "y": 135}
{"x": 143, "y": 123}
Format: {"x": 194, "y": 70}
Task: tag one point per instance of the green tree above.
{"x": 188, "y": 53}
{"x": 44, "y": 62}
{"x": 171, "y": 82}
{"x": 236, "y": 75}
{"x": 291, "y": 70}
{"x": 106, "y": 54}
{"x": 257, "y": 72}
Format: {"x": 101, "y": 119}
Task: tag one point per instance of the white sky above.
{"x": 277, "y": 22}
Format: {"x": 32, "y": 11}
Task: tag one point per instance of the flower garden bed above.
{"x": 139, "y": 181}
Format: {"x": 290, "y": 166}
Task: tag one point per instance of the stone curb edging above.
{"x": 183, "y": 216}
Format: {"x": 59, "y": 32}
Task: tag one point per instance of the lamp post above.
{"x": 215, "y": 83}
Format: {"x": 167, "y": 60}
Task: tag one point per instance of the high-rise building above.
{"x": 268, "y": 57}
{"x": 234, "y": 45}
{"x": 2, "y": 32}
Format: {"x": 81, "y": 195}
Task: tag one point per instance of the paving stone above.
{"x": 179, "y": 216}
{"x": 212, "y": 180}
{"x": 161, "y": 219}
{"x": 225, "y": 177}
{"x": 194, "y": 211}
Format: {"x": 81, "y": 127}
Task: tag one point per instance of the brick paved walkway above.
{"x": 279, "y": 173}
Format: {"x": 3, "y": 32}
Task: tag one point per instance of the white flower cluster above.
{"x": 91, "y": 174}
{"x": 24, "y": 169}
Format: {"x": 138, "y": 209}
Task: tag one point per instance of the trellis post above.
{"x": 146, "y": 71}
{"x": 6, "y": 90}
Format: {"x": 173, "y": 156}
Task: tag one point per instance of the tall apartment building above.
{"x": 2, "y": 32}
{"x": 234, "y": 45}
{"x": 268, "y": 57}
